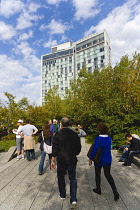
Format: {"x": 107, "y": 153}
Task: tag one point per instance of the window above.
{"x": 78, "y": 48}
{"x": 84, "y": 46}
{"x": 101, "y": 39}
{"x": 102, "y": 49}
{"x": 89, "y": 61}
{"x": 95, "y": 41}
{"x": 89, "y": 44}
{"x": 95, "y": 59}
{"x": 102, "y": 57}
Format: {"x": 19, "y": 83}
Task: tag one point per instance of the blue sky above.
{"x": 29, "y": 28}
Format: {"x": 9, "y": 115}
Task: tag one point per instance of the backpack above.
{"x": 47, "y": 149}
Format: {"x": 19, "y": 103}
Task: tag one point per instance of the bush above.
{"x": 7, "y": 142}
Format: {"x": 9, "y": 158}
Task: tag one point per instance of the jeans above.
{"x": 61, "y": 172}
{"x": 30, "y": 154}
{"x": 41, "y": 164}
{"x": 107, "y": 175}
{"x": 123, "y": 153}
{"x": 129, "y": 157}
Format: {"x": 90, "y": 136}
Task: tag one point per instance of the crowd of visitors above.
{"x": 62, "y": 144}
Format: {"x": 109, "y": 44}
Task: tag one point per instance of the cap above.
{"x": 20, "y": 121}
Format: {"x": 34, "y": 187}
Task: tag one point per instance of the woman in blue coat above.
{"x": 104, "y": 141}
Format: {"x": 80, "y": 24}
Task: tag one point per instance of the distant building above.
{"x": 65, "y": 61}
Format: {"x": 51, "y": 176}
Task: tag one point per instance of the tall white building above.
{"x": 65, "y": 61}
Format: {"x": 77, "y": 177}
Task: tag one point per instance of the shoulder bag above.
{"x": 47, "y": 149}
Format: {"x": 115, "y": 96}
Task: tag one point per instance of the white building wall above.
{"x": 59, "y": 69}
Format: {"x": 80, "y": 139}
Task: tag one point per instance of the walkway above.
{"x": 21, "y": 188}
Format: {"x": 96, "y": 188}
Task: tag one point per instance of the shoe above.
{"x": 28, "y": 160}
{"x": 120, "y": 161}
{"x": 98, "y": 191}
{"x": 62, "y": 198}
{"x": 124, "y": 164}
{"x": 22, "y": 157}
{"x": 74, "y": 205}
{"x": 18, "y": 158}
{"x": 40, "y": 173}
{"x": 116, "y": 196}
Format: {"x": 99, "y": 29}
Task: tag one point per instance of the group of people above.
{"x": 66, "y": 145}
{"x": 25, "y": 140}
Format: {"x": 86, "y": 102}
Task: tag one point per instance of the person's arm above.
{"x": 35, "y": 131}
{"x": 40, "y": 138}
{"x": 53, "y": 163}
{"x": 95, "y": 148}
{"x": 20, "y": 132}
{"x": 78, "y": 145}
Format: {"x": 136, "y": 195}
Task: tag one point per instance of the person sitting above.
{"x": 122, "y": 159}
{"x": 132, "y": 150}
{"x": 81, "y": 133}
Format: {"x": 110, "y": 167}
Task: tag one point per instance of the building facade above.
{"x": 64, "y": 62}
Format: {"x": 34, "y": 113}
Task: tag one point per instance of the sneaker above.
{"x": 74, "y": 205}
{"x": 22, "y": 157}
{"x": 40, "y": 173}
{"x": 62, "y": 198}
{"x": 18, "y": 158}
{"x": 120, "y": 161}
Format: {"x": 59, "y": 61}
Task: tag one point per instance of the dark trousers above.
{"x": 61, "y": 172}
{"x": 129, "y": 156}
{"x": 107, "y": 175}
{"x": 30, "y": 154}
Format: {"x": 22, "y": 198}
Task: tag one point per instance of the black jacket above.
{"x": 134, "y": 144}
{"x": 66, "y": 146}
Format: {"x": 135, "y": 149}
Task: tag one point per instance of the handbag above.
{"x": 97, "y": 157}
{"x": 47, "y": 149}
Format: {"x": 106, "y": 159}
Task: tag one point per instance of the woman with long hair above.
{"x": 104, "y": 142}
{"x": 46, "y": 135}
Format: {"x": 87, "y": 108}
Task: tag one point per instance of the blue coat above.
{"x": 105, "y": 142}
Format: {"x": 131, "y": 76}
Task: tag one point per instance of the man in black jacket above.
{"x": 66, "y": 146}
{"x": 133, "y": 149}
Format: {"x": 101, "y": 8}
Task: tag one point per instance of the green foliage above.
{"x": 110, "y": 95}
{"x": 6, "y": 142}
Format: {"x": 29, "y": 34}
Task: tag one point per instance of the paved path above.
{"x": 21, "y": 188}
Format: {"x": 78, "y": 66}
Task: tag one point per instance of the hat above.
{"x": 20, "y": 121}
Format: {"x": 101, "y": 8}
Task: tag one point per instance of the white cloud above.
{"x": 6, "y": 31}
{"x": 25, "y": 36}
{"x": 122, "y": 26}
{"x": 55, "y": 27}
{"x": 54, "y": 1}
{"x": 28, "y": 17}
{"x": 29, "y": 58}
{"x": 85, "y": 8}
{"x": 10, "y": 7}
{"x": 50, "y": 43}
{"x": 18, "y": 79}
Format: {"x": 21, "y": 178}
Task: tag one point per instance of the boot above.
{"x": 116, "y": 195}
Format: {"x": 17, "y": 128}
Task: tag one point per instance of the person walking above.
{"x": 55, "y": 126}
{"x": 51, "y": 126}
{"x": 66, "y": 147}
{"x": 104, "y": 142}
{"x": 47, "y": 136}
{"x": 27, "y": 131}
{"x": 19, "y": 141}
